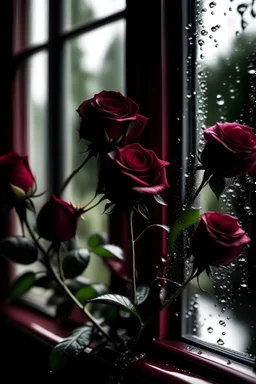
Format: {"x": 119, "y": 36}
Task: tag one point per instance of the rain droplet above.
{"x": 220, "y": 342}
{"x": 199, "y": 352}
{"x": 200, "y": 42}
{"x": 242, "y": 8}
{"x": 215, "y": 28}
{"x": 189, "y": 348}
{"x": 204, "y": 32}
{"x": 210, "y": 330}
{"x": 221, "y": 322}
{"x": 223, "y": 333}
{"x": 243, "y": 285}
{"x": 211, "y": 36}
{"x": 220, "y": 100}
{"x": 251, "y": 69}
{"x": 212, "y": 4}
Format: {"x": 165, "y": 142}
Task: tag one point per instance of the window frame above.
{"x": 164, "y": 110}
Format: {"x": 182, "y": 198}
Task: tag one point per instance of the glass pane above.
{"x": 80, "y": 12}
{"x": 225, "y": 88}
{"x": 93, "y": 62}
{"x": 30, "y": 23}
{"x": 36, "y": 89}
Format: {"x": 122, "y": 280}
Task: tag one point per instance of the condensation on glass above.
{"x": 81, "y": 12}
{"x": 223, "y": 313}
{"x": 94, "y": 61}
{"x": 30, "y": 23}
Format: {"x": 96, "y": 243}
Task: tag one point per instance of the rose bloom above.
{"x": 57, "y": 220}
{"x": 17, "y": 180}
{"x": 110, "y": 119}
{"x": 131, "y": 172}
{"x": 217, "y": 240}
{"x": 230, "y": 149}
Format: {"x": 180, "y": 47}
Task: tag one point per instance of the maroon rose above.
{"x": 230, "y": 149}
{"x": 217, "y": 240}
{"x": 17, "y": 180}
{"x": 57, "y": 220}
{"x": 109, "y": 119}
{"x": 133, "y": 171}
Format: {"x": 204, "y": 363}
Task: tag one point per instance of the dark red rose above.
{"x": 17, "y": 180}
{"x": 217, "y": 240}
{"x": 230, "y": 149}
{"x": 133, "y": 171}
{"x": 109, "y": 119}
{"x": 57, "y": 220}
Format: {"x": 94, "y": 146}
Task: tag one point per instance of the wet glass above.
{"x": 81, "y": 12}
{"x": 94, "y": 61}
{"x": 223, "y": 313}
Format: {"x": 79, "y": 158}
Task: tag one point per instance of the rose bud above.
{"x": 230, "y": 149}
{"x": 110, "y": 119}
{"x": 217, "y": 240}
{"x": 132, "y": 172}
{"x": 57, "y": 220}
{"x": 17, "y": 180}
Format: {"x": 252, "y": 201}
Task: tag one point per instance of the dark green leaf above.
{"x": 160, "y": 200}
{"x": 142, "y": 293}
{"x": 70, "y": 347}
{"x": 118, "y": 301}
{"x": 44, "y": 282}
{"x": 185, "y": 220}
{"x": 64, "y": 309}
{"x": 96, "y": 240}
{"x": 19, "y": 250}
{"x": 76, "y": 262}
{"x": 85, "y": 294}
{"x": 109, "y": 251}
{"x": 217, "y": 185}
{"x": 21, "y": 285}
{"x": 143, "y": 210}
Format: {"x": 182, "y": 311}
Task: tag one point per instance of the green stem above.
{"x": 70, "y": 177}
{"x": 133, "y": 294}
{"x": 93, "y": 206}
{"x": 61, "y": 281}
{"x": 166, "y": 304}
{"x": 199, "y": 189}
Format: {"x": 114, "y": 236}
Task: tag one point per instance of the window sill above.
{"x": 166, "y": 362}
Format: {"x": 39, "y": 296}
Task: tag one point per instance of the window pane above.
{"x": 81, "y": 12}
{"x": 225, "y": 75}
{"x": 93, "y": 62}
{"x": 36, "y": 91}
{"x": 31, "y": 23}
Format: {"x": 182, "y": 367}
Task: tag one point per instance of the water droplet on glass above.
{"x": 189, "y": 348}
{"x": 210, "y": 330}
{"x": 200, "y": 42}
{"x": 243, "y": 285}
{"x": 220, "y": 342}
{"x": 223, "y": 333}
{"x": 212, "y": 4}
{"x": 199, "y": 352}
{"x": 221, "y": 322}
{"x": 251, "y": 69}
{"x": 230, "y": 9}
{"x": 220, "y": 100}
{"x": 242, "y": 8}
{"x": 204, "y": 32}
{"x": 228, "y": 362}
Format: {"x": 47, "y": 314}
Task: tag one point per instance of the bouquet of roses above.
{"x": 129, "y": 176}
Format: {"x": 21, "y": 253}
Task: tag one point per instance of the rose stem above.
{"x": 133, "y": 294}
{"x": 70, "y": 177}
{"x": 60, "y": 280}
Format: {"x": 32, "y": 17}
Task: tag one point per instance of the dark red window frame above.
{"x": 154, "y": 80}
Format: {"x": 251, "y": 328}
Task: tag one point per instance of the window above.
{"x": 65, "y": 51}
{"x": 197, "y": 68}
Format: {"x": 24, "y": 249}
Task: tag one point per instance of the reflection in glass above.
{"x": 80, "y": 12}
{"x": 225, "y": 89}
{"x": 93, "y": 62}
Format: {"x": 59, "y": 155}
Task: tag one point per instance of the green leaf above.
{"x": 160, "y": 200}
{"x": 185, "y": 220}
{"x": 109, "y": 251}
{"x": 70, "y": 347}
{"x": 143, "y": 210}
{"x": 142, "y": 293}
{"x": 76, "y": 262}
{"x": 217, "y": 185}
{"x": 118, "y": 301}
{"x": 21, "y": 285}
{"x": 85, "y": 294}
{"x": 96, "y": 240}
{"x": 18, "y": 249}
{"x": 64, "y": 309}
